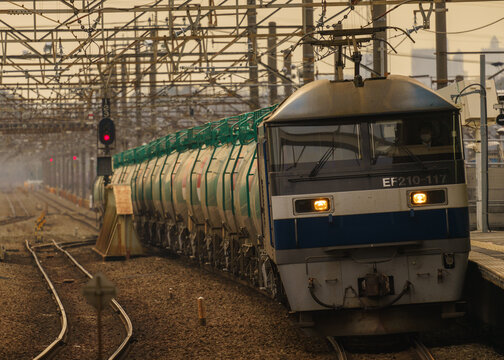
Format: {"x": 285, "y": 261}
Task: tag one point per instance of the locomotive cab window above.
{"x": 426, "y": 137}
{"x": 304, "y": 147}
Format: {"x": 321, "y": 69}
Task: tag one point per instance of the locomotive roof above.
{"x": 328, "y": 99}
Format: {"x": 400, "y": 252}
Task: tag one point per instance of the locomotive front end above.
{"x": 365, "y": 205}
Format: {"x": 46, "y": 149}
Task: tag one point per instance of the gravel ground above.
{"x": 241, "y": 323}
{"x": 81, "y": 341}
{"x": 26, "y": 307}
{"x": 28, "y": 318}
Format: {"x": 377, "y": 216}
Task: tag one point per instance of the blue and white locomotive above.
{"x": 352, "y": 204}
{"x": 365, "y": 204}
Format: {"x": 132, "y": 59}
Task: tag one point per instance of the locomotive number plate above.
{"x": 414, "y": 180}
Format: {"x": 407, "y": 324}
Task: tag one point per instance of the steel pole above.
{"x": 338, "y": 57}
{"x": 287, "y": 56}
{"x": 252, "y": 55}
{"x": 441, "y": 46}
{"x": 308, "y": 55}
{"x": 379, "y": 46}
{"x": 272, "y": 62}
{"x": 484, "y": 148}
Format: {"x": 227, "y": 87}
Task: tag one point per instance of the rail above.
{"x": 421, "y": 350}
{"x": 13, "y": 211}
{"x": 58, "y": 205}
{"x": 22, "y": 205}
{"x": 49, "y": 351}
{"x": 64, "y": 320}
{"x": 338, "y": 348}
{"x": 115, "y": 305}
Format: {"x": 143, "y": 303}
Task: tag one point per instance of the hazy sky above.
{"x": 460, "y": 17}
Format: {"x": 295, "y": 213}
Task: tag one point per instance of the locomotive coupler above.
{"x": 375, "y": 285}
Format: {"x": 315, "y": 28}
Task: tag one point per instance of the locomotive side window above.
{"x": 295, "y": 147}
{"x": 414, "y": 139}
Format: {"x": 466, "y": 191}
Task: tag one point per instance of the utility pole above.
{"x": 380, "y": 46}
{"x": 112, "y": 94}
{"x": 287, "y": 56}
{"x": 138, "y": 97}
{"x": 441, "y": 45}
{"x": 272, "y": 62}
{"x": 338, "y": 57}
{"x": 126, "y": 122}
{"x": 308, "y": 57}
{"x": 251, "y": 55}
{"x": 484, "y": 147}
{"x": 82, "y": 167}
{"x": 152, "y": 83}
{"x": 138, "y": 92}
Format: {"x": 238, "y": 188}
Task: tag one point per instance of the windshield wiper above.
{"x": 320, "y": 164}
{"x": 296, "y": 161}
{"x": 411, "y": 155}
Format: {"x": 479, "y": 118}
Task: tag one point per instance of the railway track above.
{"x": 11, "y": 206}
{"x": 69, "y": 212}
{"x": 417, "y": 351}
{"x": 71, "y": 338}
{"x": 21, "y": 205}
{"x": 21, "y": 214}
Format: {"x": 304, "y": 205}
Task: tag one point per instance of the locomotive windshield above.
{"x": 299, "y": 146}
{"x": 368, "y": 146}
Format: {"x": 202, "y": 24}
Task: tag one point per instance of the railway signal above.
{"x": 106, "y": 131}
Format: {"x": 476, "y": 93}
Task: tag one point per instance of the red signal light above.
{"x": 51, "y": 160}
{"x": 106, "y": 131}
{"x": 75, "y": 157}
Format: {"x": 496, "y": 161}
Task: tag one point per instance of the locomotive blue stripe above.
{"x": 375, "y": 228}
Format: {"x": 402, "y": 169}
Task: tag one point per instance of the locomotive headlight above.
{"x": 418, "y": 198}
{"x": 312, "y": 205}
{"x": 321, "y": 205}
{"x": 427, "y": 197}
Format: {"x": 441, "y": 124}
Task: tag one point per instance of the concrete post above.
{"x": 308, "y": 57}
{"x": 138, "y": 97}
{"x": 379, "y": 47}
{"x": 126, "y": 122}
{"x": 441, "y": 45}
{"x": 82, "y": 162}
{"x": 338, "y": 57}
{"x": 272, "y": 62}
{"x": 152, "y": 86}
{"x": 288, "y": 73}
{"x": 251, "y": 55}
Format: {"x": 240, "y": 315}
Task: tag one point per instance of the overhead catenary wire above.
{"x": 465, "y": 31}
